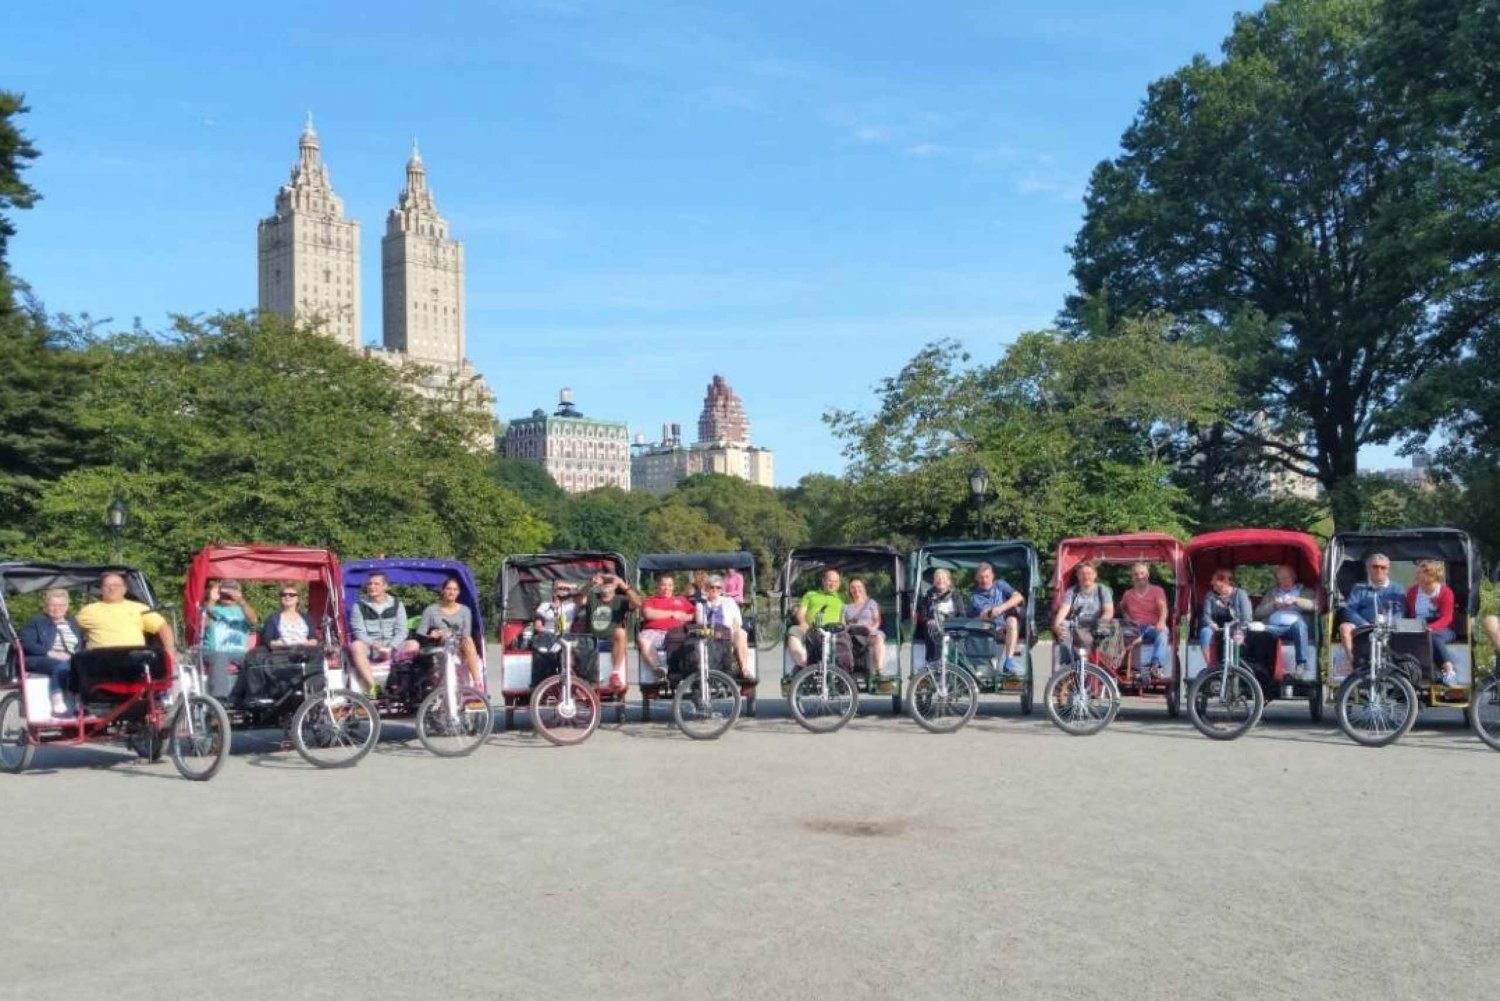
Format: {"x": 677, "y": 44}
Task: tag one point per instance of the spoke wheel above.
{"x": 198, "y": 737}
{"x": 942, "y": 704}
{"x": 335, "y": 729}
{"x": 1484, "y": 712}
{"x": 1376, "y": 711}
{"x": 564, "y": 720}
{"x": 768, "y": 626}
{"x": 706, "y": 714}
{"x": 1028, "y": 686}
{"x": 452, "y": 729}
{"x": 823, "y": 702}
{"x": 1082, "y": 707}
{"x": 1225, "y": 705}
{"x": 16, "y": 748}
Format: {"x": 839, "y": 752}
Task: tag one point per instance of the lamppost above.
{"x": 115, "y": 516}
{"x": 979, "y": 485}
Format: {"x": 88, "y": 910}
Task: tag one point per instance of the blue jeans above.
{"x": 1298, "y": 629}
{"x": 1440, "y": 639}
{"x": 1161, "y": 647}
{"x": 58, "y": 670}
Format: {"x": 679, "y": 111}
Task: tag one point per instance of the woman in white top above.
{"x": 862, "y": 617}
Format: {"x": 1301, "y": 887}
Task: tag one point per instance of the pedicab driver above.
{"x": 610, "y": 602}
{"x": 378, "y": 624}
{"x": 661, "y": 613}
{"x": 822, "y": 607}
{"x": 1377, "y": 595}
{"x": 1085, "y": 606}
{"x": 115, "y": 621}
{"x": 997, "y": 601}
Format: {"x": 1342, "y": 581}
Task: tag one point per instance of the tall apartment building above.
{"x": 308, "y": 251}
{"x": 422, "y": 276}
{"x": 723, "y": 446}
{"x": 581, "y": 453}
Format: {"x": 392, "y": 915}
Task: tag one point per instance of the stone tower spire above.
{"x": 422, "y": 275}
{"x": 309, "y": 252}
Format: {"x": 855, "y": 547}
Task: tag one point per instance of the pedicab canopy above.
{"x": 848, "y": 561}
{"x": 1014, "y": 561}
{"x": 657, "y": 564}
{"x": 1152, "y": 547}
{"x": 1237, "y": 547}
{"x": 526, "y": 581}
{"x": 29, "y": 576}
{"x": 428, "y": 573}
{"x": 318, "y": 569}
{"x": 1343, "y": 561}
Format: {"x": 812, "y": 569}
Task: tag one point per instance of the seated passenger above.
{"x": 448, "y": 617}
{"x": 288, "y": 626}
{"x": 1144, "y": 609}
{"x": 1223, "y": 603}
{"x": 1281, "y": 610}
{"x": 556, "y": 614}
{"x": 734, "y": 586}
{"x": 940, "y": 602}
{"x": 862, "y": 616}
{"x": 997, "y": 601}
{"x": 228, "y": 622}
{"x": 818, "y": 608}
{"x": 49, "y": 641}
{"x": 662, "y": 613}
{"x": 723, "y": 612}
{"x": 698, "y": 586}
{"x": 1084, "y": 608}
{"x": 115, "y": 622}
{"x": 378, "y": 624}
{"x": 607, "y": 613}
{"x": 1376, "y": 596}
{"x": 1432, "y": 601}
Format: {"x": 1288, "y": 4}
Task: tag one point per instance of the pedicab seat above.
{"x": 116, "y": 673}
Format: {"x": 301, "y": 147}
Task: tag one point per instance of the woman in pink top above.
{"x": 1144, "y": 607}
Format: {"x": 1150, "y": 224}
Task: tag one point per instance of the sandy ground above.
{"x": 881, "y": 861}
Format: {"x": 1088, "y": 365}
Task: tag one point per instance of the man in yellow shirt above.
{"x": 115, "y": 621}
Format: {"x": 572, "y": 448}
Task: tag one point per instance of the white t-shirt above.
{"x": 548, "y": 613}
{"x": 725, "y": 611}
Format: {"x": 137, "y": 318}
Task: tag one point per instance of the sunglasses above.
{"x": 1380, "y": 566}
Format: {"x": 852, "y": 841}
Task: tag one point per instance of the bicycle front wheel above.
{"x": 1082, "y": 704}
{"x": 1484, "y": 712}
{"x": 943, "y": 701}
{"x": 768, "y": 626}
{"x": 823, "y": 702}
{"x": 198, "y": 738}
{"x": 452, "y": 728}
{"x": 1376, "y": 711}
{"x": 706, "y": 713}
{"x": 335, "y": 728}
{"x": 564, "y": 717}
{"x": 1224, "y": 704}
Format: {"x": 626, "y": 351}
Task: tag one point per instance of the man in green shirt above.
{"x": 824, "y": 606}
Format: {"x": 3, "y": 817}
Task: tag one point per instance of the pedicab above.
{"x": 555, "y": 677}
{"x": 451, "y": 710}
{"x": 956, "y": 657}
{"x": 301, "y": 689}
{"x": 842, "y": 665}
{"x": 1226, "y": 694}
{"x": 1379, "y": 694}
{"x": 1083, "y": 694}
{"x": 704, "y": 681}
{"x": 141, "y": 697}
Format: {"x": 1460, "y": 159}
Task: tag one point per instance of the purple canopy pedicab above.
{"x": 453, "y": 716}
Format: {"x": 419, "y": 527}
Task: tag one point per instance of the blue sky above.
{"x": 797, "y": 196}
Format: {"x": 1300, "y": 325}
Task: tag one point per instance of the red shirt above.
{"x": 1442, "y": 601}
{"x": 653, "y": 608}
{"x": 1142, "y": 609}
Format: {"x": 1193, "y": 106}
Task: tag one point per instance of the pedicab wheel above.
{"x": 146, "y": 741}
{"x": 1027, "y": 696}
{"x": 16, "y": 749}
{"x": 1081, "y": 709}
{"x": 943, "y": 709}
{"x": 706, "y": 715}
{"x": 1225, "y": 707}
{"x": 1315, "y": 704}
{"x": 1376, "y": 711}
{"x": 198, "y": 737}
{"x": 564, "y": 718}
{"x": 451, "y": 730}
{"x": 768, "y": 628}
{"x": 820, "y": 707}
{"x": 1174, "y": 699}
{"x": 335, "y": 729}
{"x": 1484, "y": 712}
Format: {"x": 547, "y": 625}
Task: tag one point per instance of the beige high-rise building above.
{"x": 422, "y": 276}
{"x": 723, "y": 447}
{"x": 309, "y": 253}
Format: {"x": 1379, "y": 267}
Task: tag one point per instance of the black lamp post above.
{"x": 115, "y": 516}
{"x": 979, "y": 485}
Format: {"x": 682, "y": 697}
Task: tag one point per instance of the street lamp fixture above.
{"x": 979, "y": 485}
{"x": 115, "y": 516}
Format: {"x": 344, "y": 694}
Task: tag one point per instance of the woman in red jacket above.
{"x": 1432, "y": 601}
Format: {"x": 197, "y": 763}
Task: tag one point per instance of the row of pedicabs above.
{"x": 156, "y": 702}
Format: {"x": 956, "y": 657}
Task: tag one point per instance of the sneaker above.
{"x": 374, "y": 692}
{"x": 1010, "y": 666}
{"x": 59, "y": 707}
{"x": 1450, "y": 678}
{"x": 1300, "y": 670}
{"x": 1157, "y": 672}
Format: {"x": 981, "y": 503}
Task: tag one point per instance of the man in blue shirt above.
{"x": 1377, "y": 596}
{"x": 995, "y": 599}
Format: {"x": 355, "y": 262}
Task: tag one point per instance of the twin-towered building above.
{"x": 309, "y": 269}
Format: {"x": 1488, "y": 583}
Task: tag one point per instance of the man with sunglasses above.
{"x": 1367, "y": 599}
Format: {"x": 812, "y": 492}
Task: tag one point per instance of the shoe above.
{"x": 1009, "y": 666}
{"x": 1450, "y": 678}
{"x": 374, "y": 692}
{"x": 59, "y": 707}
{"x": 1158, "y": 673}
{"x": 1300, "y": 670}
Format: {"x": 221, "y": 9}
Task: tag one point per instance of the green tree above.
{"x": 255, "y": 429}
{"x": 832, "y": 508}
{"x": 607, "y": 518}
{"x": 677, "y": 528}
{"x": 753, "y": 517}
{"x": 1284, "y": 198}
{"x": 533, "y": 485}
{"x": 15, "y": 153}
